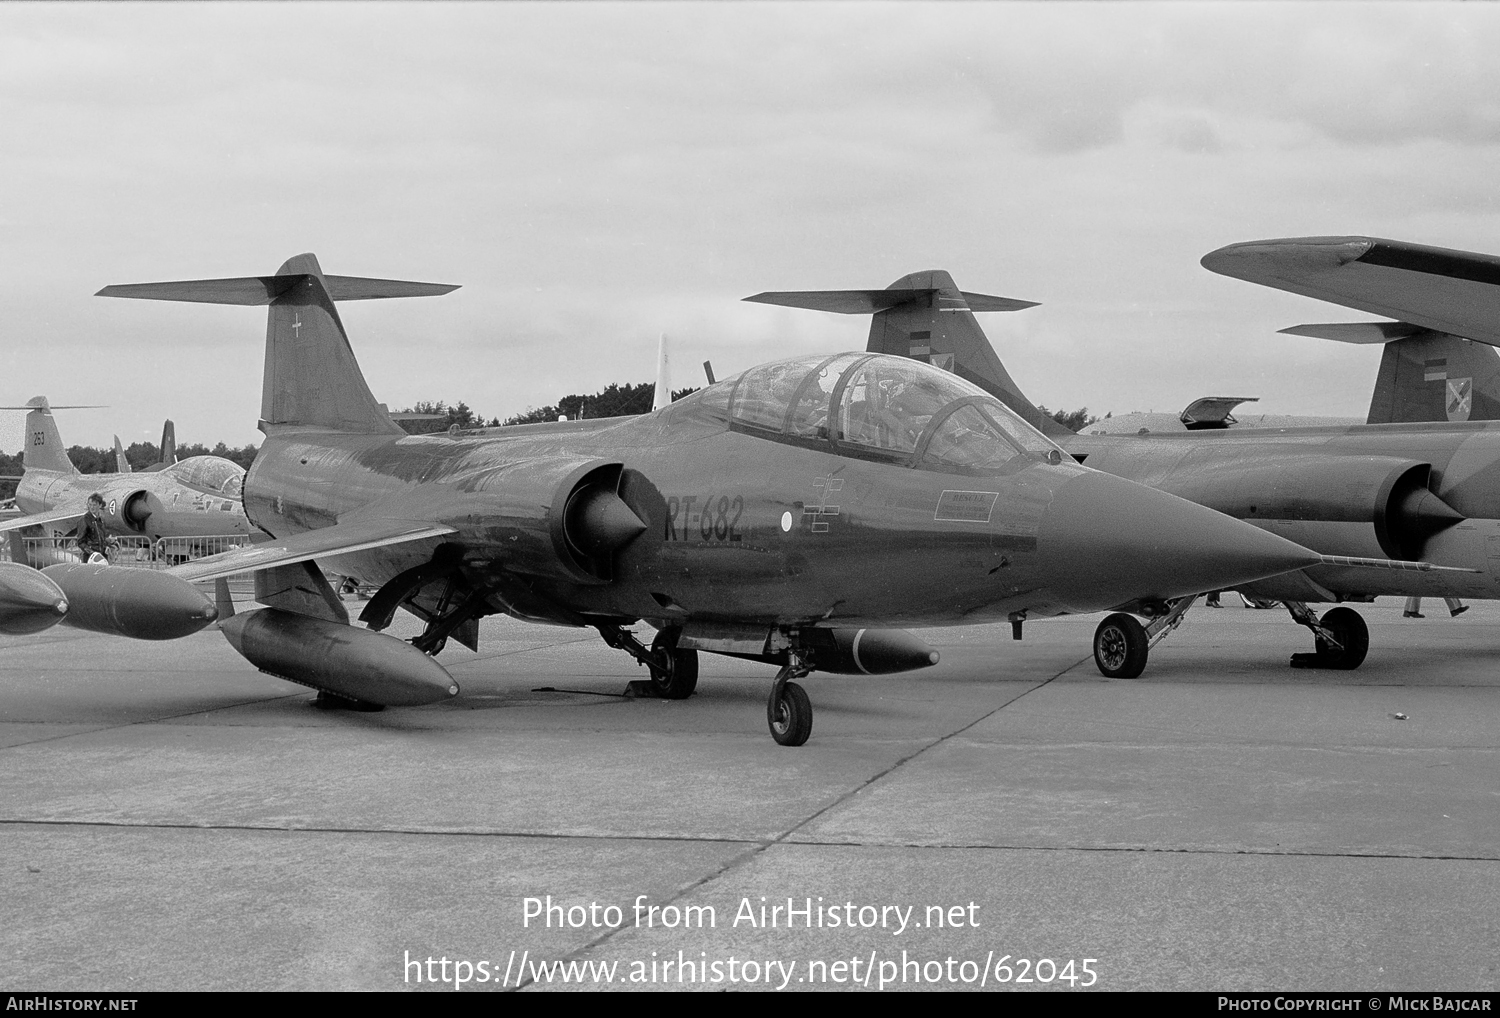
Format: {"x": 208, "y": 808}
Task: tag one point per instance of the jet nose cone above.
{"x": 1105, "y": 541}
{"x": 29, "y": 601}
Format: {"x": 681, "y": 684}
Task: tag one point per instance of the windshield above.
{"x": 877, "y": 406}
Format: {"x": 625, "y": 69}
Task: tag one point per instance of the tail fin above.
{"x": 926, "y": 316}
{"x": 44, "y": 448}
{"x": 663, "y": 376}
{"x": 1424, "y": 375}
{"x": 122, "y": 465}
{"x": 168, "y": 443}
{"x": 311, "y": 377}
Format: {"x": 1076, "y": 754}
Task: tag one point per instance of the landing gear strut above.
{"x": 1340, "y": 638}
{"x": 674, "y": 672}
{"x": 1121, "y": 644}
{"x": 788, "y": 711}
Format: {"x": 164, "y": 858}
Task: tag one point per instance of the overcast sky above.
{"x": 595, "y": 174}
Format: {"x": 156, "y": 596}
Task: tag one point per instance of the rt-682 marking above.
{"x": 715, "y": 518}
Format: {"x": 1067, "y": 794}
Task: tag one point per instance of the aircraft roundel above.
{"x": 112, "y": 506}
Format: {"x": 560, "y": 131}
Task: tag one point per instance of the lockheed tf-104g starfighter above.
{"x": 790, "y": 515}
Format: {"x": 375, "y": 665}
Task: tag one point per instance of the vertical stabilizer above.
{"x": 43, "y": 446}
{"x": 926, "y": 316}
{"x": 122, "y": 465}
{"x": 942, "y": 330}
{"x": 311, "y": 378}
{"x": 1433, "y": 376}
{"x": 663, "y": 376}
{"x": 168, "y": 444}
{"x": 311, "y": 375}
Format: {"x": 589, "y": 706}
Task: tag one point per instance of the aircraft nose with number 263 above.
{"x": 790, "y": 515}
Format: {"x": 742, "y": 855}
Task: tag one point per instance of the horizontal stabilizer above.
{"x": 252, "y": 290}
{"x": 1457, "y": 292}
{"x": 867, "y": 302}
{"x": 339, "y": 539}
{"x": 1358, "y": 332}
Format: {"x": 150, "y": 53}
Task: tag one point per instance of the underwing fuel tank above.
{"x": 139, "y": 603}
{"x": 1105, "y": 542}
{"x": 29, "y": 601}
{"x": 338, "y": 658}
{"x": 867, "y": 651}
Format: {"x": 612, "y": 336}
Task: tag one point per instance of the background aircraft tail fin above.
{"x": 311, "y": 375}
{"x": 926, "y": 316}
{"x": 168, "y": 443}
{"x": 122, "y": 465}
{"x": 1424, "y": 375}
{"x": 43, "y": 446}
{"x": 663, "y": 396}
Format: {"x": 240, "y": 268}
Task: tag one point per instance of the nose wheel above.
{"x": 789, "y": 712}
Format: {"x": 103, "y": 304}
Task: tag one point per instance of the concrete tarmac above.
{"x": 172, "y": 819}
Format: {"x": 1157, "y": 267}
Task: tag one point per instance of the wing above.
{"x": 339, "y": 539}
{"x": 55, "y": 516}
{"x": 1456, "y": 292}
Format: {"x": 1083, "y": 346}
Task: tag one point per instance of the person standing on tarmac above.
{"x": 92, "y": 540}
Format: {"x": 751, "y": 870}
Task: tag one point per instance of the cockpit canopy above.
{"x": 875, "y": 406}
{"x": 211, "y": 473}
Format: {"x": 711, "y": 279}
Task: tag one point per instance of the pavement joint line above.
{"x": 755, "y": 845}
{"x": 1295, "y": 853}
{"x": 397, "y": 831}
{"x": 758, "y": 849}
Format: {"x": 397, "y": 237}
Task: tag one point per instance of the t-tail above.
{"x": 43, "y": 447}
{"x": 1424, "y": 375}
{"x": 312, "y": 379}
{"x": 926, "y": 316}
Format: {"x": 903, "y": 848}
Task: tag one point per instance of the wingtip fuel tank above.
{"x": 139, "y": 603}
{"x": 29, "y": 601}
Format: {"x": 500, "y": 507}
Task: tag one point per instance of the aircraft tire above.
{"x": 680, "y": 680}
{"x": 1121, "y": 647}
{"x": 789, "y": 715}
{"x": 1350, "y": 628}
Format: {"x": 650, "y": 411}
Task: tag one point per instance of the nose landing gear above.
{"x": 789, "y": 711}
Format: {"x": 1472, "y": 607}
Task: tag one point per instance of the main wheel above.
{"x": 1120, "y": 646}
{"x": 1349, "y": 628}
{"x": 680, "y": 678}
{"x": 789, "y": 715}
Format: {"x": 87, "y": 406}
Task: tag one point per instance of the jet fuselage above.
{"x": 1337, "y": 490}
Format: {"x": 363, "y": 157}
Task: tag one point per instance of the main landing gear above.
{"x": 674, "y": 676}
{"x": 674, "y": 672}
{"x": 1121, "y": 644}
{"x": 1340, "y": 638}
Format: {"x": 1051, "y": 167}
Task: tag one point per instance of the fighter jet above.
{"x": 790, "y": 514}
{"x": 1426, "y": 497}
{"x": 196, "y": 497}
